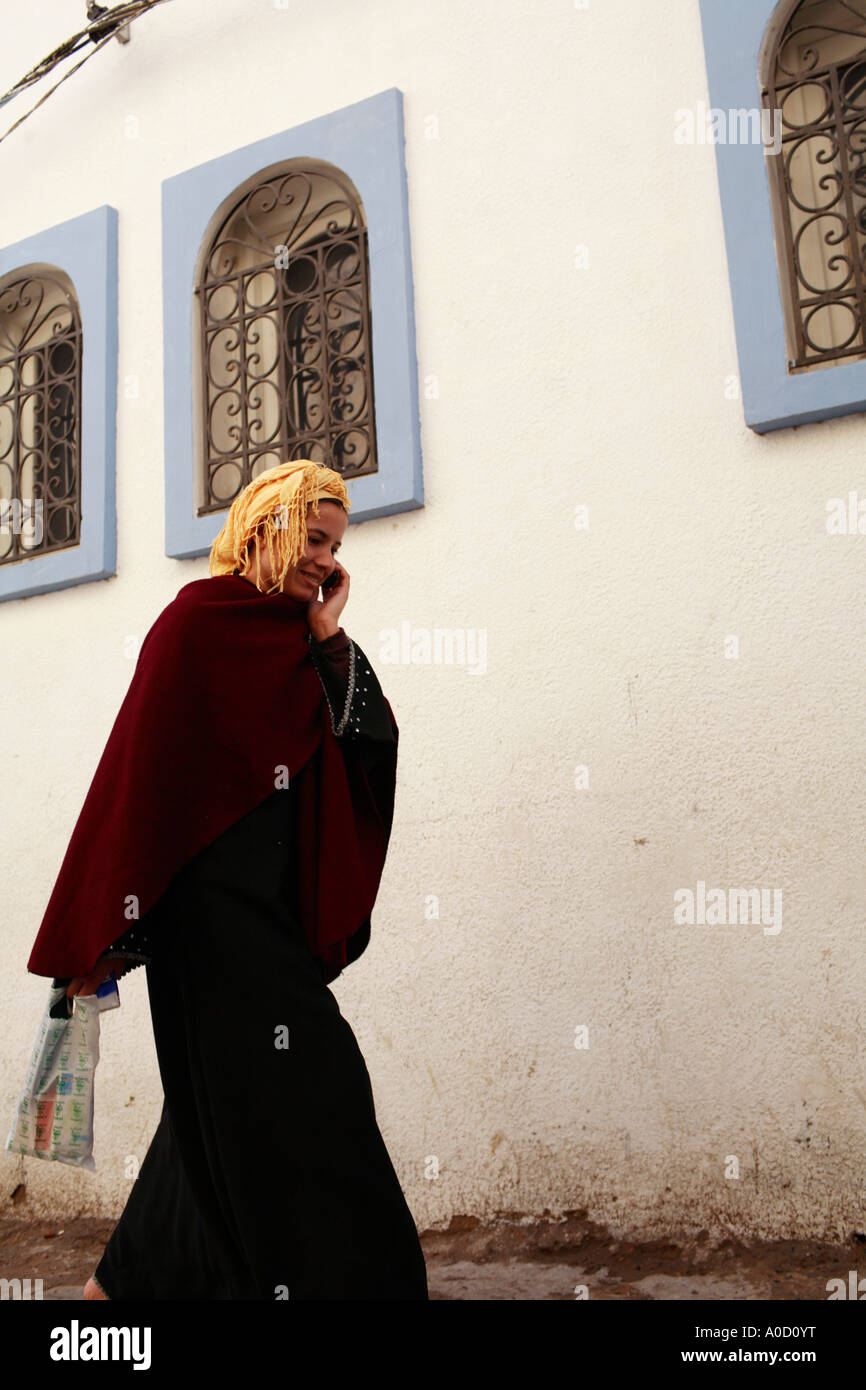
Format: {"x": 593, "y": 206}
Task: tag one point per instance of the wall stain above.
{"x": 632, "y": 703}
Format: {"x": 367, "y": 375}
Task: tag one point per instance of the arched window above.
{"x": 813, "y": 69}
{"x": 40, "y": 413}
{"x": 284, "y": 331}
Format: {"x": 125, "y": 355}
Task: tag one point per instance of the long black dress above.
{"x": 267, "y": 1177}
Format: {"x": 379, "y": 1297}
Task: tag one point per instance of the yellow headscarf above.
{"x": 274, "y": 507}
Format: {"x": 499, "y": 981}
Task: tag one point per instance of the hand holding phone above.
{"x": 323, "y": 615}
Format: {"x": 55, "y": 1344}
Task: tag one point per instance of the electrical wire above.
{"x": 121, "y": 14}
{"x": 64, "y": 51}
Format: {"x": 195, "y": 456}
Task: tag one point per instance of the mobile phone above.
{"x": 330, "y": 582}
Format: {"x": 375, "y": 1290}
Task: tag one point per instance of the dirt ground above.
{"x": 514, "y": 1258}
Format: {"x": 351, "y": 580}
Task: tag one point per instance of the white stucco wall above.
{"x": 607, "y": 386}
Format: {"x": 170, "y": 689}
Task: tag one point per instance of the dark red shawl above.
{"x": 223, "y": 695}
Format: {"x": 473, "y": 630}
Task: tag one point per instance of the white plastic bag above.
{"x": 54, "y": 1119}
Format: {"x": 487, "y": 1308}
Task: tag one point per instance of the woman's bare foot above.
{"x": 92, "y": 1290}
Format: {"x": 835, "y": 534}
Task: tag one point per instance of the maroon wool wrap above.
{"x": 223, "y": 708}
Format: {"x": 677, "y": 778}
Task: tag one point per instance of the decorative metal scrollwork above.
{"x": 40, "y": 416}
{"x": 285, "y": 333}
{"x": 816, "y": 77}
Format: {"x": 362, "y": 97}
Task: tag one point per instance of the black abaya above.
{"x": 267, "y": 1177}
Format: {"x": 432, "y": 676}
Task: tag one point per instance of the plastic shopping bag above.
{"x": 54, "y": 1119}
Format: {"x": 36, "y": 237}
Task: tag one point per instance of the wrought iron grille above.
{"x": 286, "y": 364}
{"x": 40, "y": 415}
{"x": 816, "y": 76}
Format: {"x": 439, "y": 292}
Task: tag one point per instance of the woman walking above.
{"x": 233, "y": 841}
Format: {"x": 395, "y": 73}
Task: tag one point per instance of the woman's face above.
{"x": 324, "y": 534}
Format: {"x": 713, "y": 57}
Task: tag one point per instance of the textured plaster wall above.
{"x": 533, "y": 129}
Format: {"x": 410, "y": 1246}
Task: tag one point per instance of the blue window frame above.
{"x": 85, "y": 248}
{"x": 734, "y": 33}
{"x": 365, "y": 141}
